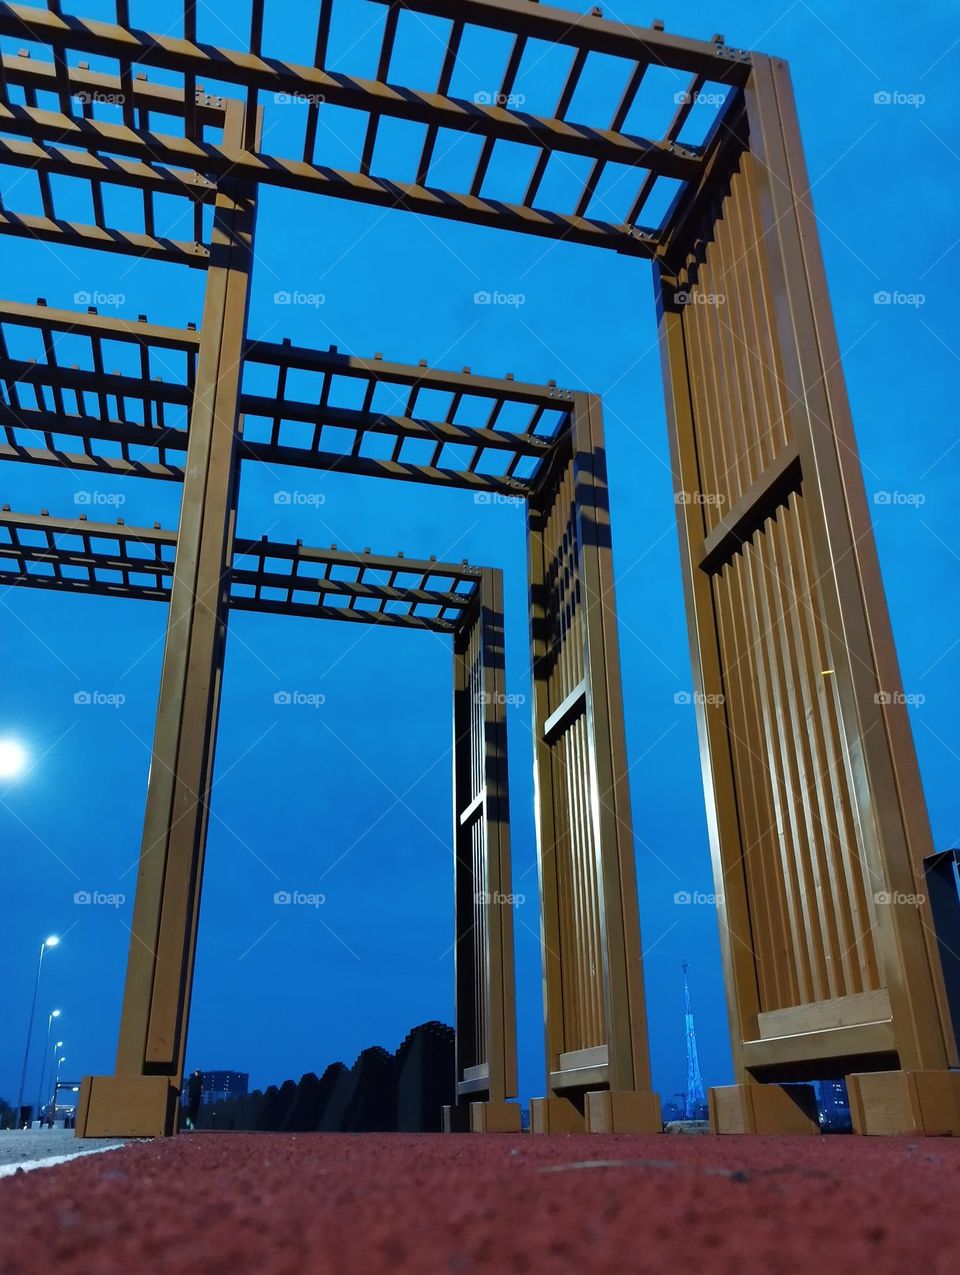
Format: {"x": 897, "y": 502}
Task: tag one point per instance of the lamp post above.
{"x": 13, "y": 758}
{"x": 52, "y": 941}
{"x": 56, "y": 1084}
{"x": 56, "y": 1049}
{"x": 54, "y": 1013}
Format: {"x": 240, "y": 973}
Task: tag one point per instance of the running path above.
{"x": 26, "y": 1149}
{"x": 355, "y": 1204}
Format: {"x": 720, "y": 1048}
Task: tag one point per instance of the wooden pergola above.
{"x": 815, "y": 809}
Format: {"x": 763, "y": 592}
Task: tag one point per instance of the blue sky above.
{"x": 352, "y": 799}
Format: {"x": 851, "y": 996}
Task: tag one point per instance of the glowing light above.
{"x": 13, "y": 758}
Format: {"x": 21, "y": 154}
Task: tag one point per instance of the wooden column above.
{"x": 817, "y": 820}
{"x": 598, "y": 1068}
{"x": 485, "y": 996}
{"x": 141, "y": 1098}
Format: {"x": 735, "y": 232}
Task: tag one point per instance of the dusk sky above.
{"x": 350, "y": 797}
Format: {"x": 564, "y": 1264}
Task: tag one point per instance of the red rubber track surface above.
{"x": 345, "y": 1203}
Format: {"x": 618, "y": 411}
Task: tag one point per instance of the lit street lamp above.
{"x": 13, "y": 758}
{"x": 56, "y": 1049}
{"x": 56, "y": 1086}
{"x": 52, "y": 941}
{"x": 54, "y": 1013}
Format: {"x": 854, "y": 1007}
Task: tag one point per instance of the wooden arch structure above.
{"x": 818, "y": 827}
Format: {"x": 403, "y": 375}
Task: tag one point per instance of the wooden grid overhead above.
{"x": 187, "y": 161}
{"x": 125, "y": 395}
{"x": 77, "y": 556}
{"x": 402, "y": 422}
{"x": 118, "y": 391}
{"x": 114, "y": 560}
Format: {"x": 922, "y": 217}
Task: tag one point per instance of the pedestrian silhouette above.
{"x": 194, "y": 1094}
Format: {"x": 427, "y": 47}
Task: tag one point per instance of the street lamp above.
{"x": 56, "y": 1085}
{"x": 13, "y": 758}
{"x": 51, "y": 941}
{"x": 56, "y": 1049}
{"x": 54, "y": 1013}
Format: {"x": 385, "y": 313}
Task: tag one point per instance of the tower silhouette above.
{"x": 696, "y": 1099}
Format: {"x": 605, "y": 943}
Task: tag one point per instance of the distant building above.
{"x": 221, "y": 1086}
{"x": 834, "y": 1105}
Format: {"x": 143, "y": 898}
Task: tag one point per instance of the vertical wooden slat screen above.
{"x": 594, "y": 1002}
{"x": 817, "y": 821}
{"x": 485, "y": 1008}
